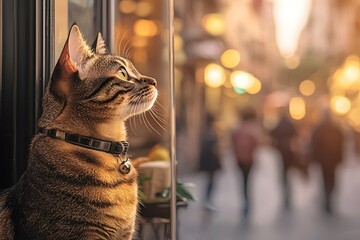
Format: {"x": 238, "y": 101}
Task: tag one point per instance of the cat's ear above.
{"x": 79, "y": 50}
{"x": 99, "y": 45}
{"x": 72, "y": 58}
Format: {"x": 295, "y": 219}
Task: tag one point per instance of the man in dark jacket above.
{"x": 327, "y": 149}
{"x": 209, "y": 157}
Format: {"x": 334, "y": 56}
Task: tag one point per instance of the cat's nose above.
{"x": 149, "y": 80}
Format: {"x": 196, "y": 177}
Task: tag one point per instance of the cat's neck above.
{"x": 108, "y": 131}
{"x": 113, "y": 131}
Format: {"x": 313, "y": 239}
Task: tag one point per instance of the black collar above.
{"x": 115, "y": 148}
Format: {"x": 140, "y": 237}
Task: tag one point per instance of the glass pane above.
{"x": 85, "y": 13}
{"x": 142, "y": 35}
{"x": 268, "y": 118}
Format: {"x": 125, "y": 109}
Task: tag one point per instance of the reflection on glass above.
{"x": 85, "y": 13}
{"x": 142, "y": 36}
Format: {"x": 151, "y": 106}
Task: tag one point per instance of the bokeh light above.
{"x": 352, "y": 69}
{"x": 255, "y": 87}
{"x": 146, "y": 28}
{"x": 230, "y": 58}
{"x": 214, "y": 75}
{"x": 143, "y": 9}
{"x": 214, "y": 24}
{"x": 178, "y": 42}
{"x": 340, "y": 104}
{"x": 292, "y": 62}
{"x": 244, "y": 82}
{"x": 348, "y": 75}
{"x": 127, "y": 6}
{"x": 353, "y": 117}
{"x": 241, "y": 79}
{"x": 140, "y": 41}
{"x": 307, "y": 88}
{"x": 297, "y": 108}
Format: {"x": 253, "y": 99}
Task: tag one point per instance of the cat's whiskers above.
{"x": 130, "y": 48}
{"x": 131, "y": 126}
{"x": 159, "y": 104}
{"x": 132, "y": 111}
{"x": 157, "y": 116}
{"x": 142, "y": 115}
{"x": 116, "y": 41}
{"x": 126, "y": 44}
{"x": 137, "y": 99}
{"x": 158, "y": 121}
{"x": 132, "y": 120}
{"x": 129, "y": 54}
{"x": 147, "y": 124}
{"x": 118, "y": 49}
{"x": 158, "y": 111}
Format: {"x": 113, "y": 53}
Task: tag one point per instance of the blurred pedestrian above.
{"x": 209, "y": 158}
{"x": 284, "y": 139}
{"x": 327, "y": 144}
{"x": 245, "y": 140}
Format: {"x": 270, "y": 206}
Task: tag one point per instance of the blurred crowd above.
{"x": 324, "y": 146}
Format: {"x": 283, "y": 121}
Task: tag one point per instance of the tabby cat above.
{"x": 74, "y": 190}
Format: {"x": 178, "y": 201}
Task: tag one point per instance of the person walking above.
{"x": 209, "y": 158}
{"x": 284, "y": 139}
{"x": 327, "y": 144}
{"x": 245, "y": 140}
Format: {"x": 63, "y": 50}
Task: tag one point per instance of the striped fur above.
{"x": 67, "y": 191}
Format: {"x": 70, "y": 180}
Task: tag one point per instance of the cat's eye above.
{"x": 123, "y": 74}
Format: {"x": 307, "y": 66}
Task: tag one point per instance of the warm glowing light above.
{"x": 297, "y": 108}
{"x": 214, "y": 23}
{"x": 354, "y": 116}
{"x": 292, "y": 62}
{"x": 127, "y": 6}
{"x": 290, "y": 19}
{"x": 351, "y": 70}
{"x": 347, "y": 77}
{"x": 143, "y": 9}
{"x": 140, "y": 41}
{"x": 178, "y": 42}
{"x": 230, "y": 58}
{"x": 214, "y": 75}
{"x": 255, "y": 87}
{"x": 341, "y": 105}
{"x": 307, "y": 87}
{"x": 146, "y": 28}
{"x": 241, "y": 80}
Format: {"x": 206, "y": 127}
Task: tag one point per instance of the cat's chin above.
{"x": 143, "y": 106}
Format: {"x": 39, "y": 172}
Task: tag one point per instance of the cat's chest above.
{"x": 72, "y": 210}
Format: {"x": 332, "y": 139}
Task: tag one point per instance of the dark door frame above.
{"x": 21, "y": 85}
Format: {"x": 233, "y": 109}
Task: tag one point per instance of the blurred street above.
{"x": 268, "y": 220}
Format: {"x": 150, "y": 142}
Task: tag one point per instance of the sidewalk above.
{"x": 305, "y": 221}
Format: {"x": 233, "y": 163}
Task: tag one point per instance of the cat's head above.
{"x": 90, "y": 83}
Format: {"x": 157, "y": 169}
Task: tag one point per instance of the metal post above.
{"x": 173, "y": 219}
{"x": 108, "y": 26}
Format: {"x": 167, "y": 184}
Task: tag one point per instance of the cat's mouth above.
{"x": 143, "y": 94}
{"x": 144, "y": 99}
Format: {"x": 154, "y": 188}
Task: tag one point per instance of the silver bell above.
{"x": 125, "y": 167}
